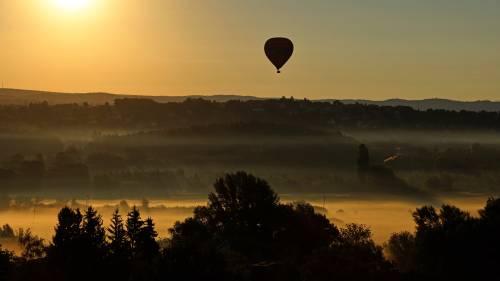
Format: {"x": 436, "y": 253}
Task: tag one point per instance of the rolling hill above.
{"x": 20, "y": 97}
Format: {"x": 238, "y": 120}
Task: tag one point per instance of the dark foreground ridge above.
{"x": 246, "y": 233}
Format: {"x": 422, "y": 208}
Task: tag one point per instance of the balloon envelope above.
{"x": 278, "y": 51}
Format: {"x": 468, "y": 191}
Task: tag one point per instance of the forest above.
{"x": 61, "y": 157}
{"x": 139, "y": 147}
{"x": 245, "y": 232}
{"x": 143, "y": 114}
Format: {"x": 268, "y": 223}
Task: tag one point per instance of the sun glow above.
{"x": 72, "y": 5}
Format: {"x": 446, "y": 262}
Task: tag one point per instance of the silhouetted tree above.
{"x": 119, "y": 248}
{"x": 490, "y": 214}
{"x": 300, "y": 231}
{"x": 68, "y": 228}
{"x": 147, "y": 247}
{"x": 33, "y": 247}
{"x": 143, "y": 246}
{"x": 134, "y": 227}
{"x": 401, "y": 250}
{"x": 489, "y": 241}
{"x": 119, "y": 244}
{"x": 354, "y": 256}
{"x": 6, "y": 231}
{"x": 93, "y": 231}
{"x": 93, "y": 243}
{"x": 244, "y": 228}
{"x": 67, "y": 245}
{"x": 193, "y": 253}
{"x": 242, "y": 211}
{"x": 449, "y": 243}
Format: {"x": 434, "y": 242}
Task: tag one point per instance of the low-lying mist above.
{"x": 383, "y": 216}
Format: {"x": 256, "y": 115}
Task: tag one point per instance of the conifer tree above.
{"x": 68, "y": 228}
{"x": 119, "y": 244}
{"x": 93, "y": 231}
{"x": 134, "y": 225}
{"x": 147, "y": 245}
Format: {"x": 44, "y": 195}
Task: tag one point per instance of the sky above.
{"x": 344, "y": 49}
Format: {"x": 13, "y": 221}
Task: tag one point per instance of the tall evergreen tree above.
{"x": 68, "y": 228}
{"x": 147, "y": 246}
{"x": 65, "y": 251}
{"x": 117, "y": 236}
{"x": 143, "y": 247}
{"x": 134, "y": 225}
{"x": 93, "y": 253}
{"x": 93, "y": 231}
{"x": 119, "y": 248}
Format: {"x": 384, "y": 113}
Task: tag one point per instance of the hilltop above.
{"x": 21, "y": 97}
{"x": 435, "y": 103}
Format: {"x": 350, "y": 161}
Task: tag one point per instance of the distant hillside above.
{"x": 146, "y": 114}
{"x": 17, "y": 96}
{"x": 484, "y": 105}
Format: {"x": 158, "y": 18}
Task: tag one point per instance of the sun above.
{"x": 72, "y": 5}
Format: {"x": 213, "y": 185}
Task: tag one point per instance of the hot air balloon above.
{"x": 278, "y": 51}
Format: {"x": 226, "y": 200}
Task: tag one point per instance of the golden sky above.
{"x": 344, "y": 49}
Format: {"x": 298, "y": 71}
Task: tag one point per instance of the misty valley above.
{"x": 366, "y": 169}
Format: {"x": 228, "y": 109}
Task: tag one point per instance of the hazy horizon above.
{"x": 344, "y": 49}
{"x": 132, "y": 94}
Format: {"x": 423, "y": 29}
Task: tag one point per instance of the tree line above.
{"x": 146, "y": 114}
{"x": 246, "y": 233}
{"x": 100, "y": 171}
